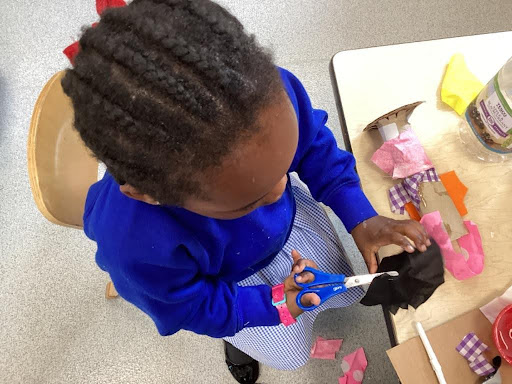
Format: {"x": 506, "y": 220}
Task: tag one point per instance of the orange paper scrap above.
{"x": 412, "y": 211}
{"x": 456, "y": 190}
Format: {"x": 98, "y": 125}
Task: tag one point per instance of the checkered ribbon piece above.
{"x": 408, "y": 190}
{"x": 481, "y": 366}
{"x": 471, "y": 348}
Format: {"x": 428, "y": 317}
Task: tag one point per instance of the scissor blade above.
{"x": 355, "y": 281}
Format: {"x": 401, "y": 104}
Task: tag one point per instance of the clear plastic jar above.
{"x": 486, "y": 128}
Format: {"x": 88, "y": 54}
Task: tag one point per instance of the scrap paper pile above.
{"x": 436, "y": 200}
{"x": 352, "y": 365}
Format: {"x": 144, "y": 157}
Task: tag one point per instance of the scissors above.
{"x": 332, "y": 284}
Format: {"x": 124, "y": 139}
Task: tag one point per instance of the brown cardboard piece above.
{"x": 434, "y": 197}
{"x": 399, "y": 116}
{"x": 412, "y": 365}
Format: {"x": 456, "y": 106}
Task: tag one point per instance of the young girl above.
{"x": 198, "y": 216}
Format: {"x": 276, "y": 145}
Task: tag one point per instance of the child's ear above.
{"x": 133, "y": 193}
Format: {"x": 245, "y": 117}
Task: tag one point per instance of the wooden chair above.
{"x": 60, "y": 167}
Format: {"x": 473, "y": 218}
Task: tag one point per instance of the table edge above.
{"x": 348, "y": 148}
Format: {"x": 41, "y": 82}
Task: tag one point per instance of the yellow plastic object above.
{"x": 459, "y": 85}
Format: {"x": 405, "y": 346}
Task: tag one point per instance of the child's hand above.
{"x": 292, "y": 289}
{"x": 379, "y": 231}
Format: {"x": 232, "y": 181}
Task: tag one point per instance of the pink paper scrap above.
{"x": 471, "y": 243}
{"x": 402, "y": 156}
{"x": 353, "y": 367}
{"x": 325, "y": 349}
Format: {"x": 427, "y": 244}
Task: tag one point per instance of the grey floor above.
{"x": 55, "y": 325}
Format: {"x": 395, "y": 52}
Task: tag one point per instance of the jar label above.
{"x": 493, "y": 123}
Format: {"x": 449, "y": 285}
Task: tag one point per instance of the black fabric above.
{"x": 420, "y": 275}
{"x": 243, "y": 368}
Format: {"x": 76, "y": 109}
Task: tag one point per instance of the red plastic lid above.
{"x": 502, "y": 333}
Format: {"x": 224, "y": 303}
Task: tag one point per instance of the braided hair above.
{"x": 163, "y": 89}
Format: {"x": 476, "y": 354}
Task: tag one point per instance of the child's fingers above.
{"x": 299, "y": 266}
{"x": 305, "y": 277}
{"x": 295, "y": 256}
{"x": 371, "y": 261}
{"x": 401, "y": 240}
{"x": 310, "y": 299}
{"x": 417, "y": 233}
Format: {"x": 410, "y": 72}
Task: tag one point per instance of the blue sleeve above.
{"x": 328, "y": 171}
{"x": 161, "y": 268}
{"x": 179, "y": 297}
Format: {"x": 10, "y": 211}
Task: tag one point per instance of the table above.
{"x": 373, "y": 81}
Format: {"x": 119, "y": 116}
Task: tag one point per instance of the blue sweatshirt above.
{"x": 182, "y": 269}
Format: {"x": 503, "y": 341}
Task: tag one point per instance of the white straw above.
{"x": 431, "y": 355}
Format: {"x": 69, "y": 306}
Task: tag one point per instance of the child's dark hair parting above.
{"x": 163, "y": 90}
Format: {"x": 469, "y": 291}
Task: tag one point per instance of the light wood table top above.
{"x": 374, "y": 81}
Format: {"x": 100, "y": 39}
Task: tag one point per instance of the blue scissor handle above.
{"x": 324, "y": 293}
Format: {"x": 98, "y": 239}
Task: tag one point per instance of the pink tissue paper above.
{"x": 471, "y": 243}
{"x": 353, "y": 367}
{"x": 402, "y": 156}
{"x": 325, "y": 349}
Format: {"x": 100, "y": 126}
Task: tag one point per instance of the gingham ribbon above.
{"x": 408, "y": 190}
{"x": 471, "y": 348}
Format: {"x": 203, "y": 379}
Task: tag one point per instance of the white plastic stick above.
{"x": 389, "y": 131}
{"x": 431, "y": 355}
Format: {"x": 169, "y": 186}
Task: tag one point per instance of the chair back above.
{"x": 60, "y": 167}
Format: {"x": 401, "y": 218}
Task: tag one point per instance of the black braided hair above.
{"x": 163, "y": 89}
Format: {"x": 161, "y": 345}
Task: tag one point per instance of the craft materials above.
{"x": 501, "y": 333}
{"x": 456, "y": 190}
{"x": 419, "y": 276}
{"x": 495, "y": 377}
{"x": 405, "y": 196}
{"x": 431, "y": 355}
{"x": 486, "y": 129}
{"x": 472, "y": 348}
{"x": 412, "y": 211}
{"x": 471, "y": 243}
{"x": 481, "y": 366}
{"x": 494, "y": 307}
{"x": 327, "y": 285}
{"x": 353, "y": 367}
{"x": 436, "y": 198}
{"x": 325, "y": 349}
{"x": 459, "y": 86}
{"x": 413, "y": 366}
{"x": 399, "y": 117}
{"x": 402, "y": 156}
{"x": 408, "y": 190}
{"x": 389, "y": 131}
